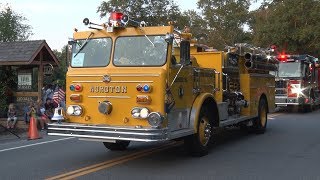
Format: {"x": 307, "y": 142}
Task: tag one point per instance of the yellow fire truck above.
{"x": 128, "y": 82}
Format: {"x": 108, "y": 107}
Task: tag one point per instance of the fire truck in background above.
{"x": 127, "y": 82}
{"x": 297, "y": 82}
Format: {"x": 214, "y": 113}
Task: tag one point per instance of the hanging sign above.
{"x": 24, "y": 81}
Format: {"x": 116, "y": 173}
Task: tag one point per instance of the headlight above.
{"x": 74, "y": 110}
{"x": 70, "y": 110}
{"x": 77, "y": 110}
{"x": 296, "y": 90}
{"x": 135, "y": 112}
{"x": 139, "y": 112}
{"x": 144, "y": 113}
{"x": 155, "y": 119}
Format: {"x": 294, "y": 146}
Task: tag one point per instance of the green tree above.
{"x": 292, "y": 25}
{"x": 59, "y": 74}
{"x": 7, "y": 83}
{"x": 157, "y": 13}
{"x": 225, "y": 21}
{"x": 152, "y": 12}
{"x": 12, "y": 27}
{"x": 192, "y": 19}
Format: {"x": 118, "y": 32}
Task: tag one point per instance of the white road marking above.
{"x": 19, "y": 147}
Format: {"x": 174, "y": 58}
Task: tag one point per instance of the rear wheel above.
{"x": 307, "y": 108}
{"x": 197, "y": 144}
{"x": 312, "y": 101}
{"x": 117, "y": 146}
{"x": 260, "y": 124}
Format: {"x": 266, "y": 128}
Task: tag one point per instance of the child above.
{"x": 41, "y": 116}
{"x": 12, "y": 116}
{"x": 36, "y": 111}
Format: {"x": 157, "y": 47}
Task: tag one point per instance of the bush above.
{"x": 8, "y": 82}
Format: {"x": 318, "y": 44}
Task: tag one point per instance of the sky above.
{"x": 54, "y": 20}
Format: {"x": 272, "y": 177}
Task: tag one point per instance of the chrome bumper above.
{"x": 107, "y": 132}
{"x": 286, "y": 101}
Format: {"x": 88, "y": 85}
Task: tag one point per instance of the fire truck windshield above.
{"x": 292, "y": 69}
{"x": 91, "y": 52}
{"x": 140, "y": 51}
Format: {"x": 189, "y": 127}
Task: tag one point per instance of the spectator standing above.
{"x": 12, "y": 116}
{"x": 48, "y": 92}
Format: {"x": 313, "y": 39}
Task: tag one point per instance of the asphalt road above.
{"x": 290, "y": 149}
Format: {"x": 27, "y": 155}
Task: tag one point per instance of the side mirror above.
{"x": 67, "y": 56}
{"x": 185, "y": 53}
{"x": 169, "y": 38}
{"x": 71, "y": 41}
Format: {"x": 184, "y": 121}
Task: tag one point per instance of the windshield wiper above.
{"x": 145, "y": 35}
{"x": 83, "y": 45}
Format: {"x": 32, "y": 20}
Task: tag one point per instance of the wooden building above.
{"x": 30, "y": 62}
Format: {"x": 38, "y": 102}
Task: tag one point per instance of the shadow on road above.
{"x": 296, "y": 109}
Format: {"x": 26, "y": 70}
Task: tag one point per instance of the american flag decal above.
{"x": 58, "y": 96}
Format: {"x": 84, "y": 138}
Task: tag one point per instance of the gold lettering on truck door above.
{"x": 118, "y": 89}
{"x": 111, "y": 88}
{"x": 108, "y": 89}
{"x": 124, "y": 89}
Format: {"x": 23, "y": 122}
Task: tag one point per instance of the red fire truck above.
{"x": 297, "y": 82}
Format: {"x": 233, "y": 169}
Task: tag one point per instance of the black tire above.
{"x": 117, "y": 146}
{"x": 310, "y": 107}
{"x": 197, "y": 144}
{"x": 260, "y": 123}
{"x": 306, "y": 108}
{"x": 245, "y": 128}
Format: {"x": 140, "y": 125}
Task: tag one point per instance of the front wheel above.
{"x": 260, "y": 124}
{"x": 117, "y": 146}
{"x": 197, "y": 144}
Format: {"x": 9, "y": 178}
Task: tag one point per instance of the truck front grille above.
{"x": 281, "y": 84}
{"x": 281, "y": 91}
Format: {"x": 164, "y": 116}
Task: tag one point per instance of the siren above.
{"x": 87, "y": 22}
{"x": 118, "y": 19}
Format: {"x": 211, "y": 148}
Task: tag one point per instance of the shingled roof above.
{"x": 25, "y": 52}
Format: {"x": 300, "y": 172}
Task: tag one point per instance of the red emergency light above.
{"x": 283, "y": 57}
{"x": 116, "y": 16}
{"x": 118, "y": 19}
